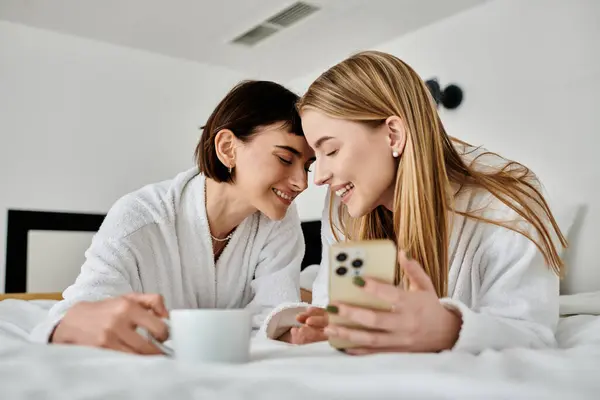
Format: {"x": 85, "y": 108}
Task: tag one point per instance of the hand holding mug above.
{"x": 112, "y": 323}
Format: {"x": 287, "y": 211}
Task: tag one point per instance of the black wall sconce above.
{"x": 450, "y": 97}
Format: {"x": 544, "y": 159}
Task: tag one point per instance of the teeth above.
{"x": 341, "y": 192}
{"x": 282, "y": 195}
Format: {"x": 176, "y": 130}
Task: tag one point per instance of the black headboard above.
{"x": 21, "y": 222}
{"x": 17, "y": 233}
{"x": 312, "y": 240}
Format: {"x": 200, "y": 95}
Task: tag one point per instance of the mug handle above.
{"x": 167, "y": 350}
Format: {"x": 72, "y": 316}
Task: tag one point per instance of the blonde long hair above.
{"x": 371, "y": 86}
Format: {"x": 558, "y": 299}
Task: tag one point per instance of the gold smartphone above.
{"x": 347, "y": 260}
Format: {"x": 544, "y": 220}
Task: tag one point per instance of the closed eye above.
{"x": 283, "y": 160}
{"x": 332, "y": 153}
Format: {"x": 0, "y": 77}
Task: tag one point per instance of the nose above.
{"x": 322, "y": 175}
{"x": 299, "y": 179}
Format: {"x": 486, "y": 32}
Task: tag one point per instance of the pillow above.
{"x": 581, "y": 261}
{"x": 569, "y": 218}
{"x": 308, "y": 276}
{"x": 565, "y": 216}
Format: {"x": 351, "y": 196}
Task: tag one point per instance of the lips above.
{"x": 284, "y": 195}
{"x": 343, "y": 189}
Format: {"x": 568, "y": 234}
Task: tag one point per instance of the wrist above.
{"x": 55, "y": 335}
{"x": 453, "y": 324}
{"x": 286, "y": 337}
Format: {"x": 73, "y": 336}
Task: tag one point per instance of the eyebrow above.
{"x": 294, "y": 151}
{"x": 322, "y": 140}
{"x": 290, "y": 149}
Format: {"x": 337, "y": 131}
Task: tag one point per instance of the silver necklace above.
{"x": 216, "y": 239}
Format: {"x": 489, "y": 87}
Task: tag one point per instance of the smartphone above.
{"x": 370, "y": 258}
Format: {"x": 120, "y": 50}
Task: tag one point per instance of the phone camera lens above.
{"x": 357, "y": 263}
{"x": 342, "y": 257}
{"x": 341, "y": 271}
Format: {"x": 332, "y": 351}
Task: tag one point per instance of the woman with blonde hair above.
{"x": 484, "y": 267}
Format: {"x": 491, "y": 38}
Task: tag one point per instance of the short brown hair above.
{"x": 247, "y": 107}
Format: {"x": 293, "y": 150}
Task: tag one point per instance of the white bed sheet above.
{"x": 281, "y": 371}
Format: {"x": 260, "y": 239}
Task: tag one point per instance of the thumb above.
{"x": 417, "y": 278}
{"x": 154, "y": 302}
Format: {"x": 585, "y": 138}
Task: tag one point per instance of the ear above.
{"x": 225, "y": 144}
{"x": 396, "y": 134}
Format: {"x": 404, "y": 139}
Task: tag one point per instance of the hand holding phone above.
{"x": 369, "y": 314}
{"x": 349, "y": 261}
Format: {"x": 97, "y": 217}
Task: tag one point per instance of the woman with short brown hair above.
{"x": 224, "y": 234}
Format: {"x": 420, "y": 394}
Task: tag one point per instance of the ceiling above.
{"x": 201, "y": 30}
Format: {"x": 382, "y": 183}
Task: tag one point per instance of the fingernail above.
{"x": 332, "y": 309}
{"x": 358, "y": 281}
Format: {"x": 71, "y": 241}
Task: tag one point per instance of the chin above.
{"x": 356, "y": 209}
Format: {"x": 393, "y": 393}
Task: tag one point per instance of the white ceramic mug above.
{"x": 209, "y": 335}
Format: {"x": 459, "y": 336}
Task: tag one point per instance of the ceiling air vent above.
{"x": 277, "y": 22}
{"x": 255, "y": 35}
{"x": 292, "y": 14}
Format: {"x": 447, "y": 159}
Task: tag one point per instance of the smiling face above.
{"x": 353, "y": 158}
{"x": 271, "y": 169}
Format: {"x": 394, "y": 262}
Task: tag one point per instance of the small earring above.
{"x": 395, "y": 154}
{"x": 230, "y": 170}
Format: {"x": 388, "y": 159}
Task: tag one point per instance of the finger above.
{"x": 117, "y": 345}
{"x": 389, "y": 293}
{"x": 137, "y": 342}
{"x": 317, "y": 322}
{"x": 155, "y": 302}
{"x": 318, "y": 336}
{"x": 418, "y": 279}
{"x": 294, "y": 335}
{"x": 302, "y": 317}
{"x": 316, "y": 311}
{"x": 311, "y": 311}
{"x": 369, "y": 318}
{"x": 361, "y": 337}
{"x": 306, "y": 334}
{"x": 153, "y": 324}
{"x": 362, "y": 351}
{"x": 297, "y": 338}
{"x": 120, "y": 346}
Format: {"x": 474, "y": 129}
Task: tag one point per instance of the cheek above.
{"x": 258, "y": 173}
{"x": 375, "y": 171}
{"x": 362, "y": 161}
{"x": 249, "y": 169}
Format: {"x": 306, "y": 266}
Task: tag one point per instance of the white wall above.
{"x": 82, "y": 122}
{"x": 531, "y": 75}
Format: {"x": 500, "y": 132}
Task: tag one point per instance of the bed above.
{"x": 278, "y": 370}
{"x": 281, "y": 371}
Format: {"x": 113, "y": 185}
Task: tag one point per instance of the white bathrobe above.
{"x": 157, "y": 240}
{"x": 497, "y": 280}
